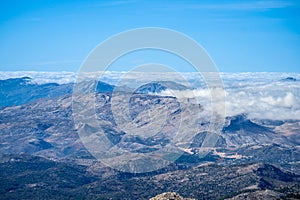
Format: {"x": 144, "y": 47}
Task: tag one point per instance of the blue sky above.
{"x": 240, "y": 36}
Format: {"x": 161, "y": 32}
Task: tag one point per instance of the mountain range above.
{"x": 42, "y": 155}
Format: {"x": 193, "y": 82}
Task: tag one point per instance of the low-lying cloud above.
{"x": 260, "y": 95}
{"x": 274, "y": 100}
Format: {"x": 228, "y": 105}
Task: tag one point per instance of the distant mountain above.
{"x": 291, "y": 79}
{"x": 40, "y": 127}
{"x": 240, "y": 130}
{"x": 242, "y": 123}
{"x": 46, "y": 128}
{"x": 104, "y": 87}
{"x": 159, "y": 86}
{"x": 18, "y": 91}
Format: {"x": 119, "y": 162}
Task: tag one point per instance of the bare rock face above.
{"x": 169, "y": 196}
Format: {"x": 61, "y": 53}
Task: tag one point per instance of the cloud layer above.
{"x": 260, "y": 95}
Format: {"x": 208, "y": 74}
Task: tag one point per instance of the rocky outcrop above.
{"x": 169, "y": 196}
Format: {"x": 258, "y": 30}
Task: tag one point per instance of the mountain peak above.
{"x": 159, "y": 86}
{"x": 242, "y": 123}
{"x": 15, "y": 81}
{"x": 292, "y": 79}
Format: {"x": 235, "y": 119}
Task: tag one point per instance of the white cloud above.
{"x": 260, "y": 95}
{"x": 256, "y": 102}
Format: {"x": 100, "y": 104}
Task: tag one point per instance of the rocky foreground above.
{"x": 169, "y": 196}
